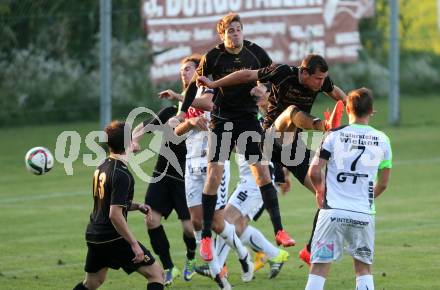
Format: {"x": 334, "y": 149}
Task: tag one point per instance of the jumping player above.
{"x": 169, "y": 192}
{"x": 235, "y": 112}
{"x": 291, "y": 96}
{"x": 195, "y": 177}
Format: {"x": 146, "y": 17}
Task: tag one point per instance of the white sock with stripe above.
{"x": 253, "y": 238}
{"x": 365, "y": 282}
{"x": 222, "y": 250}
{"x": 233, "y": 241}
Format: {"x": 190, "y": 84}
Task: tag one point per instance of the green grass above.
{"x": 42, "y": 218}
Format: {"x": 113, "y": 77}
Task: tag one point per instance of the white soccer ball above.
{"x": 39, "y": 160}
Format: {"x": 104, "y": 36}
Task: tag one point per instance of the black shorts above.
{"x": 296, "y": 157}
{"x": 115, "y": 254}
{"x": 168, "y": 194}
{"x": 245, "y": 135}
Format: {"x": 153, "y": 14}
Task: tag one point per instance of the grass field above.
{"x": 42, "y": 218}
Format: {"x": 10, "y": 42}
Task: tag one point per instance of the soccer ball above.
{"x": 39, "y": 160}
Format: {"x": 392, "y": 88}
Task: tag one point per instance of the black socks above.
{"x": 270, "y": 199}
{"x": 208, "y": 205}
{"x": 161, "y": 246}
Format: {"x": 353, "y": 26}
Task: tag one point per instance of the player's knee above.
{"x": 292, "y": 110}
{"x": 262, "y": 176}
{"x": 197, "y": 224}
{"x": 188, "y": 230}
{"x": 217, "y": 226}
{"x": 153, "y": 273}
{"x": 285, "y": 121}
{"x": 213, "y": 180}
{"x": 93, "y": 284}
{"x": 155, "y": 220}
{"x": 151, "y": 223}
{"x": 240, "y": 226}
{"x": 156, "y": 274}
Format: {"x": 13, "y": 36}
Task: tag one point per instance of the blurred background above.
{"x": 49, "y": 58}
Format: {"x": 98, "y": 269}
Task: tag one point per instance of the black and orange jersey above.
{"x": 234, "y": 102}
{"x": 113, "y": 184}
{"x": 287, "y": 90}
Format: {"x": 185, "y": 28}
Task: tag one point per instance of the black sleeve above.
{"x": 265, "y": 58}
{"x": 204, "y": 69}
{"x": 274, "y": 74}
{"x": 120, "y": 188}
{"x": 327, "y": 86}
{"x": 324, "y": 154}
{"x": 189, "y": 96}
{"x": 279, "y": 173}
{"x": 163, "y": 116}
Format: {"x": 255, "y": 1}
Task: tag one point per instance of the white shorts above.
{"x": 195, "y": 177}
{"x": 247, "y": 199}
{"x": 336, "y": 226}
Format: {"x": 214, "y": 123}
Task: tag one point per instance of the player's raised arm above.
{"x": 235, "y": 78}
{"x": 204, "y": 102}
{"x": 148, "y": 125}
{"x": 338, "y": 94}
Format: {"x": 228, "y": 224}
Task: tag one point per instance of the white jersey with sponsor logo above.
{"x": 354, "y": 153}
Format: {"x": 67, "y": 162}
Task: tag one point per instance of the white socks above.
{"x": 233, "y": 241}
{"x": 315, "y": 282}
{"x": 364, "y": 282}
{"x": 253, "y": 238}
{"x": 198, "y": 236}
{"x": 214, "y": 266}
{"x": 222, "y": 250}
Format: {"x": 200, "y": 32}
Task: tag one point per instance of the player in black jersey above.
{"x": 110, "y": 242}
{"x": 234, "y": 112}
{"x": 291, "y": 96}
{"x": 169, "y": 192}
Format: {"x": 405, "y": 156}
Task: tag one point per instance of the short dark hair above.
{"x": 195, "y": 58}
{"x": 360, "y": 101}
{"x": 313, "y": 62}
{"x": 115, "y": 136}
{"x": 226, "y": 20}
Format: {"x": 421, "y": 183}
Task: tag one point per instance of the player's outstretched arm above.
{"x": 338, "y": 94}
{"x": 204, "y": 102}
{"x": 199, "y": 123}
{"x": 145, "y": 127}
{"x": 171, "y": 95}
{"x": 121, "y": 226}
{"x": 383, "y": 175}
{"x": 235, "y": 78}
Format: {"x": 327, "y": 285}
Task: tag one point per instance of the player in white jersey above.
{"x": 358, "y": 163}
{"x": 195, "y": 125}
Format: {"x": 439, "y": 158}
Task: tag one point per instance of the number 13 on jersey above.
{"x": 98, "y": 184}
